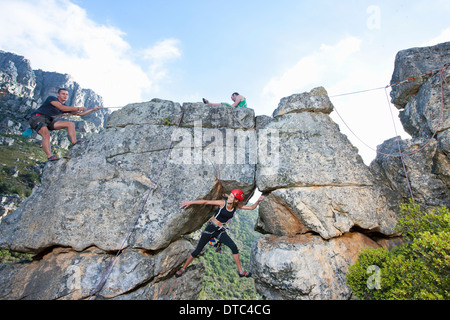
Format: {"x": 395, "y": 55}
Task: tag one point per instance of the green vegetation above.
{"x": 11, "y": 257}
{"x": 221, "y": 280}
{"x": 419, "y": 269}
{"x": 20, "y": 166}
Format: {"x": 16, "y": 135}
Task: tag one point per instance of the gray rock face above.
{"x": 316, "y": 101}
{"x": 319, "y": 191}
{"x": 425, "y": 116}
{"x": 416, "y": 62}
{"x": 305, "y": 267}
{"x": 93, "y": 199}
{"x": 429, "y": 184}
{"x": 323, "y": 204}
{"x": 328, "y": 211}
{"x": 319, "y": 177}
{"x": 68, "y": 275}
{"x": 311, "y": 152}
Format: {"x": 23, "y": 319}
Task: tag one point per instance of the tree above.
{"x": 417, "y": 269}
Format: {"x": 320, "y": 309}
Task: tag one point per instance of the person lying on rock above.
{"x": 239, "y": 101}
{"x": 216, "y": 226}
{"x": 44, "y": 119}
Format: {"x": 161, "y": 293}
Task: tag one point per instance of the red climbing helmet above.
{"x": 238, "y": 194}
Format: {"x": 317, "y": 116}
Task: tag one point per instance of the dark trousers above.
{"x": 212, "y": 231}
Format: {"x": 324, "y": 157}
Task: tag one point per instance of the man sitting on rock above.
{"x": 239, "y": 101}
{"x": 44, "y": 119}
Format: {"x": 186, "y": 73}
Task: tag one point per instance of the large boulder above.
{"x": 69, "y": 275}
{"x": 426, "y": 181}
{"x": 305, "y": 267}
{"x": 425, "y": 115}
{"x": 416, "y": 63}
{"x": 320, "y": 195}
{"x": 106, "y": 180}
{"x": 127, "y": 183}
{"x": 318, "y": 182}
{"x": 329, "y": 211}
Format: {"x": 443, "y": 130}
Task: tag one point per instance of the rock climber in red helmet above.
{"x": 216, "y": 226}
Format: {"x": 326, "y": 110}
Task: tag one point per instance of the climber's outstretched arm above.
{"x": 253, "y": 206}
{"x": 85, "y": 113}
{"x": 186, "y": 204}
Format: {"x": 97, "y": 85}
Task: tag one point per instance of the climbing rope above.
{"x": 133, "y": 227}
{"x": 401, "y": 154}
{"x": 399, "y": 147}
{"x": 431, "y": 72}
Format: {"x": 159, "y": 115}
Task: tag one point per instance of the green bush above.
{"x": 418, "y": 269}
{"x": 11, "y": 257}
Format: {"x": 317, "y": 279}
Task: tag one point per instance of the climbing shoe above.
{"x": 179, "y": 273}
{"x": 245, "y": 274}
{"x": 52, "y": 158}
{"x": 74, "y": 144}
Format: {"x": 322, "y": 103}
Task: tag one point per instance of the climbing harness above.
{"x": 133, "y": 227}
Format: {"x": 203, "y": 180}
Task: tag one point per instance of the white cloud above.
{"x": 163, "y": 50}
{"x": 444, "y": 36}
{"x": 344, "y": 67}
{"x": 159, "y": 55}
{"x": 313, "y": 70}
{"x": 57, "y": 35}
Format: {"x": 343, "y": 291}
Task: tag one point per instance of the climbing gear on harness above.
{"x": 219, "y": 227}
{"x": 219, "y": 247}
{"x": 27, "y": 133}
{"x": 216, "y": 244}
{"x": 238, "y": 194}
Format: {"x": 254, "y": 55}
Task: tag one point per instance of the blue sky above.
{"x": 136, "y": 50}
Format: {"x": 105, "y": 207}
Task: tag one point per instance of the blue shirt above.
{"x": 48, "y": 109}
